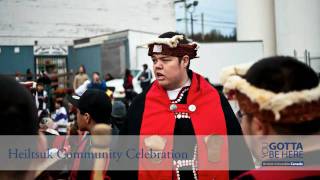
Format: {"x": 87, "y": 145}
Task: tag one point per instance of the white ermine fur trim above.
{"x": 268, "y": 100}
{"x": 239, "y": 70}
{"x": 171, "y": 42}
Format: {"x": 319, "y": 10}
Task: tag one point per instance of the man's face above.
{"x": 96, "y": 77}
{"x": 40, "y": 87}
{"x": 81, "y": 120}
{"x": 81, "y": 70}
{"x": 169, "y": 72}
{"x": 57, "y": 105}
{"x": 246, "y": 126}
{"x": 253, "y": 130}
{"x": 244, "y": 122}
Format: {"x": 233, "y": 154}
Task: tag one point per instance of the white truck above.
{"x": 213, "y": 57}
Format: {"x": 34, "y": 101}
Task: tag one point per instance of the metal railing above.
{"x": 308, "y": 59}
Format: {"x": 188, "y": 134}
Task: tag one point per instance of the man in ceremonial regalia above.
{"x": 182, "y": 102}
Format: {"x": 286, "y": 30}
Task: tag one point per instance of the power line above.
{"x": 217, "y": 19}
{"x": 221, "y": 22}
{"x": 222, "y": 10}
{"x": 220, "y": 13}
{"x": 217, "y": 26}
{"x": 208, "y": 22}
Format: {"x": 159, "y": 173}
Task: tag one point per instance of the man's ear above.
{"x": 258, "y": 127}
{"x": 185, "y": 60}
{"x": 87, "y": 118}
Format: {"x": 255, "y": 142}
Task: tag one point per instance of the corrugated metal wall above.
{"x": 114, "y": 57}
{"x": 90, "y": 57}
{"x": 11, "y": 62}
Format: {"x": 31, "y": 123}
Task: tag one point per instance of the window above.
{"x": 16, "y": 50}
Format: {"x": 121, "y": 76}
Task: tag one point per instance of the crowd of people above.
{"x": 276, "y": 96}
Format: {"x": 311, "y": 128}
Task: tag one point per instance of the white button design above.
{"x": 192, "y": 108}
{"x": 173, "y": 107}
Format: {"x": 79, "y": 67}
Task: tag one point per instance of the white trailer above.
{"x": 128, "y": 50}
{"x": 215, "y": 56}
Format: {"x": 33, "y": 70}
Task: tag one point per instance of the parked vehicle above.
{"x": 118, "y": 85}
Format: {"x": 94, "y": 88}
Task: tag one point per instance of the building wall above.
{"x": 213, "y": 57}
{"x": 119, "y": 50}
{"x": 114, "y": 56}
{"x": 298, "y": 26}
{"x": 90, "y": 57}
{"x": 137, "y": 39}
{"x": 61, "y": 21}
{"x": 256, "y": 21}
{"x": 72, "y": 65}
{"x": 11, "y": 62}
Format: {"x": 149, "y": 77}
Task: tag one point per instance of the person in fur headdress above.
{"x": 182, "y": 102}
{"x": 277, "y": 96}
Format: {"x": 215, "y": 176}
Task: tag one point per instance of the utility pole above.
{"x": 185, "y": 13}
{"x": 194, "y": 4}
{"x": 202, "y": 26}
{"x": 191, "y": 19}
{"x": 186, "y": 7}
{"x": 186, "y": 17}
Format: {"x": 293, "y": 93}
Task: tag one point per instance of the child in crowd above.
{"x": 60, "y": 117}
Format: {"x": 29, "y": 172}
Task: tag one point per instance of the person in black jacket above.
{"x": 182, "y": 102}
{"x": 145, "y": 78}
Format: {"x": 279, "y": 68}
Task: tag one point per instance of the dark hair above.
{"x": 40, "y": 83}
{"x": 171, "y": 34}
{"x": 110, "y": 77}
{"x": 84, "y": 68}
{"x": 183, "y": 41}
{"x": 17, "y": 109}
{"x": 43, "y": 114}
{"x": 127, "y": 73}
{"x": 60, "y": 102}
{"x": 97, "y": 73}
{"x": 285, "y": 74}
{"x": 145, "y": 66}
{"x": 18, "y": 115}
{"x": 97, "y": 104}
{"x": 282, "y": 74}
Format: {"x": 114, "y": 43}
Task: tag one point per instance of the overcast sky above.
{"x": 218, "y": 14}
